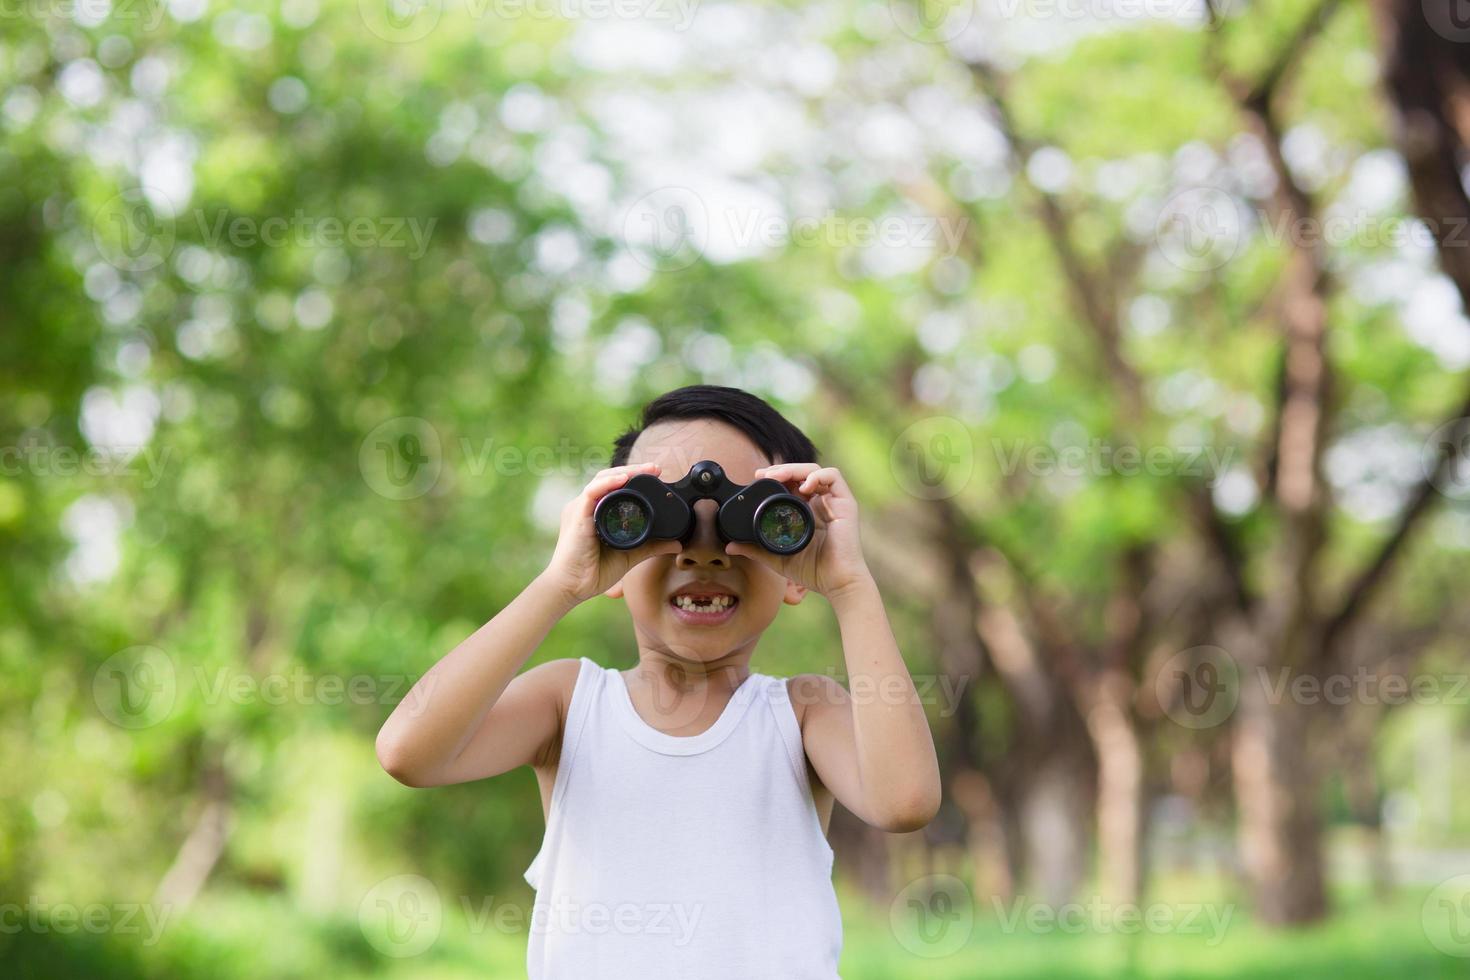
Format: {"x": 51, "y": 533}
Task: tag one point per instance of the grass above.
{"x": 248, "y": 935}
{"x": 1190, "y": 940}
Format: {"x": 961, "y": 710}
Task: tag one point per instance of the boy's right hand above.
{"x": 581, "y": 567}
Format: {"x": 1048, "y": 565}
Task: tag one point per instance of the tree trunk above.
{"x": 1276, "y": 790}
{"x": 1119, "y": 791}
{"x": 1360, "y": 723}
{"x": 1057, "y": 825}
{"x": 203, "y": 846}
{"x": 864, "y": 854}
{"x": 994, "y": 857}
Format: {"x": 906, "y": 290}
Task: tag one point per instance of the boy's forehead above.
{"x": 678, "y": 445}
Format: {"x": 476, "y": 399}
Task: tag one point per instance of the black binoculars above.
{"x": 645, "y": 507}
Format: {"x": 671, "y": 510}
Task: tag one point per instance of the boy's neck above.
{"x": 671, "y": 671}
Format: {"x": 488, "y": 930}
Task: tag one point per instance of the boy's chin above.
{"x": 699, "y": 644}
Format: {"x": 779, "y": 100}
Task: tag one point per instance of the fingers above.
{"x": 807, "y": 478}
{"x": 608, "y": 480}
{"x": 823, "y": 480}
{"x": 786, "y": 472}
{"x": 743, "y": 549}
{"x": 653, "y": 549}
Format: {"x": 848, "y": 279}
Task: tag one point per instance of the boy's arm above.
{"x": 470, "y": 716}
{"x": 874, "y": 752}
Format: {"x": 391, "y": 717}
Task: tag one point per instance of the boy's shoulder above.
{"x": 810, "y": 693}
{"x": 554, "y": 679}
{"x": 552, "y": 683}
{"x": 562, "y": 670}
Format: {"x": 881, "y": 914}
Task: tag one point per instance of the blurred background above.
{"x": 1137, "y": 326}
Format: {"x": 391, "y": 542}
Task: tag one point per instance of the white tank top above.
{"x": 682, "y": 858}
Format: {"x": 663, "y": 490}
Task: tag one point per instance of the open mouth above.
{"x": 703, "y": 609}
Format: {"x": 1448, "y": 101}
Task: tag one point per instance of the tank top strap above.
{"x": 591, "y": 681}
{"x": 778, "y": 699}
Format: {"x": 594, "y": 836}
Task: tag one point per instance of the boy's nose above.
{"x": 704, "y": 546}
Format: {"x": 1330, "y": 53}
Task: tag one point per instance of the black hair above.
{"x": 772, "y": 434}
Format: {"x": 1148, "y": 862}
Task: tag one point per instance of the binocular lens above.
{"x": 782, "y": 526}
{"x": 624, "y": 522}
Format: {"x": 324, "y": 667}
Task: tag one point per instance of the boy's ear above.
{"x": 794, "y": 593}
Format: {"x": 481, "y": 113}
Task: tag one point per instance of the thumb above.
{"x": 654, "y": 548}
{"x": 744, "y": 549}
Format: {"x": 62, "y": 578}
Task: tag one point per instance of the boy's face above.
{"x": 733, "y": 599}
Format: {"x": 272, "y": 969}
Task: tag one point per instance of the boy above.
{"x": 687, "y": 798}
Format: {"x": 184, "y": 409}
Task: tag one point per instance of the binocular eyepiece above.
{"x": 645, "y": 507}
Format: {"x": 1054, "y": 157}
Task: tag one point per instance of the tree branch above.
{"x": 1422, "y": 69}
{"x": 1090, "y": 293}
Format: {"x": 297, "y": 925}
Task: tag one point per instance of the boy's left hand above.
{"x": 833, "y": 559}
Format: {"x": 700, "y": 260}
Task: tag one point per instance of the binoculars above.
{"x": 645, "y": 507}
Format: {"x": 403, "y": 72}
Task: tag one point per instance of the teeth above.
{"x": 714, "y": 603}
